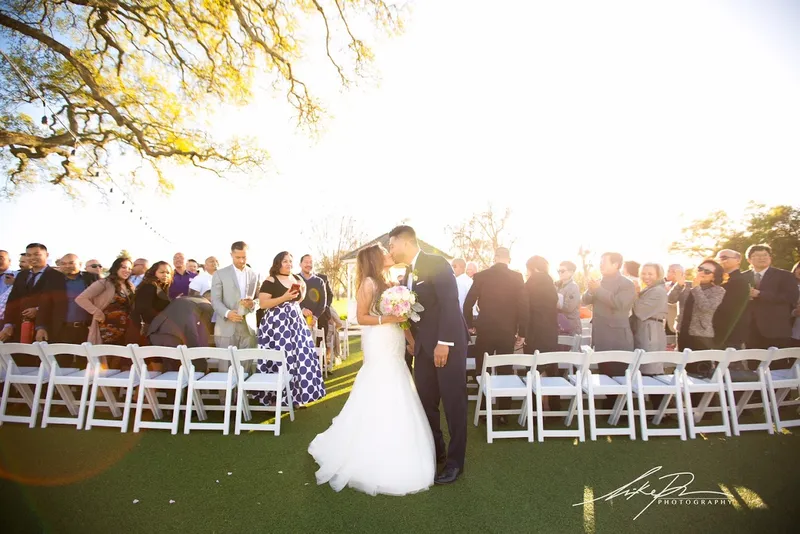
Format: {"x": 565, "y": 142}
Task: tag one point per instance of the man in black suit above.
{"x": 440, "y": 347}
{"x": 774, "y": 295}
{"x": 59, "y": 319}
{"x": 23, "y": 302}
{"x": 500, "y": 294}
{"x": 732, "y": 318}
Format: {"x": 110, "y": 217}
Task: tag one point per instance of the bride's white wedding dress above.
{"x": 381, "y": 441}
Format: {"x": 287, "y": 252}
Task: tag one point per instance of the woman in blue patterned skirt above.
{"x": 283, "y": 327}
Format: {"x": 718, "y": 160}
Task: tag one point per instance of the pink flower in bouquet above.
{"x": 399, "y": 301}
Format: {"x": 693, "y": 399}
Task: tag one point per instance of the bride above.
{"x": 381, "y": 441}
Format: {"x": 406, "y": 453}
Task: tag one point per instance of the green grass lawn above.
{"x": 62, "y": 480}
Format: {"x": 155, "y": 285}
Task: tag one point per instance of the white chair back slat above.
{"x": 274, "y": 382}
{"x": 572, "y": 358}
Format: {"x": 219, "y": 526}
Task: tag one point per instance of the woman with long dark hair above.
{"x": 282, "y": 327}
{"x": 152, "y": 297}
{"x": 110, "y": 302}
{"x": 381, "y": 441}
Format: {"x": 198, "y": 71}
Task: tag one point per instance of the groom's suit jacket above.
{"x": 435, "y": 285}
{"x": 225, "y": 296}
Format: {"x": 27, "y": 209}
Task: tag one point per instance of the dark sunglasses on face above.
{"x": 96, "y": 266}
{"x": 704, "y": 270}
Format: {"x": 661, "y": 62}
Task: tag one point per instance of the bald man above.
{"x": 59, "y": 319}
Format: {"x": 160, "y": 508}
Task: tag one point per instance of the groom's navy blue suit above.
{"x": 435, "y": 286}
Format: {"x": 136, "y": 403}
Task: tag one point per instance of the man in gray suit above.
{"x": 611, "y": 300}
{"x": 233, "y": 295}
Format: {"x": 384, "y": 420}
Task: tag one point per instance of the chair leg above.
{"x": 4, "y": 401}
{"x": 240, "y": 400}
{"x": 724, "y": 409}
{"x": 642, "y": 414}
{"x": 176, "y": 411}
{"x": 278, "y": 406}
{"x": 126, "y": 409}
{"x": 775, "y": 404}
{"x": 581, "y": 428}
{"x": 489, "y": 421}
{"x": 529, "y": 403}
{"x": 108, "y": 395}
{"x": 48, "y": 401}
{"x": 592, "y": 415}
{"x": 733, "y": 410}
{"x": 662, "y": 409}
{"x": 765, "y": 404}
{"x": 290, "y": 400}
{"x": 679, "y": 412}
{"x": 227, "y": 417}
{"x": 82, "y": 402}
{"x": 92, "y": 405}
{"x": 687, "y": 400}
{"x": 187, "y": 424}
{"x": 137, "y": 418}
{"x": 37, "y": 394}
{"x": 701, "y": 409}
{"x": 540, "y": 415}
{"x": 478, "y": 406}
{"x": 631, "y": 417}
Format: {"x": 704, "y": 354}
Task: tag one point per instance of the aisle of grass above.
{"x": 61, "y": 480}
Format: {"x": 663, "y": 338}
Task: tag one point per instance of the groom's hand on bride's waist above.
{"x": 440, "y": 354}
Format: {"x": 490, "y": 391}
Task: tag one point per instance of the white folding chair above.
{"x": 263, "y": 382}
{"x": 171, "y": 380}
{"x": 670, "y": 385}
{"x": 595, "y": 384}
{"x": 344, "y": 340}
{"x": 217, "y": 381}
{"x": 748, "y": 382}
{"x": 319, "y": 334}
{"x": 62, "y": 379}
{"x": 708, "y": 387}
{"x": 780, "y": 383}
{"x": 105, "y": 379}
{"x": 22, "y": 378}
{"x": 558, "y": 386}
{"x": 494, "y": 386}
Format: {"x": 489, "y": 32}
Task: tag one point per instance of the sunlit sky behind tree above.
{"x": 607, "y": 124}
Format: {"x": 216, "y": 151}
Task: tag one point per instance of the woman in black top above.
{"x": 152, "y": 296}
{"x": 284, "y": 328}
{"x": 542, "y": 330}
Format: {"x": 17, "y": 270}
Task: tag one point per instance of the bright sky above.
{"x": 608, "y": 124}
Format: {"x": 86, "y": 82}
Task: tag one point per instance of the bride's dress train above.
{"x": 381, "y": 441}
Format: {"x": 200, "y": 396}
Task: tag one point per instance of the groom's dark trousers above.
{"x": 447, "y": 384}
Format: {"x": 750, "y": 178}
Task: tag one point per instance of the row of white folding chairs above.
{"x": 100, "y": 379}
{"x": 773, "y": 386}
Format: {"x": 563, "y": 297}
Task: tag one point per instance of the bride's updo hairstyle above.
{"x": 369, "y": 264}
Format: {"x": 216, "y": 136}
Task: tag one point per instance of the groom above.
{"x": 440, "y": 347}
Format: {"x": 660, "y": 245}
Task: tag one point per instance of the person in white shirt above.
{"x": 202, "y": 282}
{"x": 463, "y": 281}
{"x": 140, "y": 267}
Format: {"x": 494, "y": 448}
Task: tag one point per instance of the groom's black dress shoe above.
{"x": 448, "y": 475}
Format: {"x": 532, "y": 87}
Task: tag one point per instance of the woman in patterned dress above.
{"x": 283, "y": 327}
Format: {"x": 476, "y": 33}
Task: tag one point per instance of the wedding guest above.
{"x": 541, "y": 331}
{"x": 673, "y": 271}
{"x": 140, "y": 267}
{"x": 201, "y": 283}
{"x": 152, "y": 298}
{"x": 3, "y": 302}
{"x": 569, "y": 300}
{"x": 192, "y": 267}
{"x": 25, "y": 295}
{"x": 58, "y": 264}
{"x": 60, "y": 319}
{"x": 181, "y": 277}
{"x": 5, "y": 268}
{"x": 612, "y": 301}
{"x": 325, "y": 317}
{"x": 631, "y": 272}
{"x": 110, "y": 302}
{"x": 233, "y": 293}
{"x": 335, "y": 324}
{"x": 677, "y": 296}
{"x": 185, "y": 321}
{"x": 774, "y": 295}
{"x": 315, "y": 300}
{"x": 732, "y": 319}
{"x": 697, "y": 327}
{"x": 95, "y": 267}
{"x": 463, "y": 280}
{"x": 23, "y": 262}
{"x": 796, "y": 311}
{"x": 647, "y": 319}
{"x": 283, "y": 328}
{"x": 472, "y": 269}
{"x": 499, "y": 292}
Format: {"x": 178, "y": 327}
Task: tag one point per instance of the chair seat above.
{"x": 600, "y": 382}
{"x": 783, "y": 374}
{"x": 698, "y": 381}
{"x": 555, "y": 382}
{"x": 651, "y": 382}
{"x": 507, "y": 382}
{"x": 263, "y": 378}
{"x": 214, "y": 380}
{"x": 172, "y": 376}
{"x": 663, "y": 379}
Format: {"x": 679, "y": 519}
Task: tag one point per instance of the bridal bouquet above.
{"x": 400, "y": 302}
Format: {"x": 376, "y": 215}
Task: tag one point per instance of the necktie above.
{"x": 32, "y": 280}
{"x": 757, "y": 279}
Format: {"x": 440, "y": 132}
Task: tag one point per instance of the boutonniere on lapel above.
{"x": 414, "y": 275}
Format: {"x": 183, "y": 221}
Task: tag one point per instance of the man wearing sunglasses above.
{"x": 95, "y": 267}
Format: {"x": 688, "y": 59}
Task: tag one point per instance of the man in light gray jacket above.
{"x": 234, "y": 292}
{"x": 611, "y": 300}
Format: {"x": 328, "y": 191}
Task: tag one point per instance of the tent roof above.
{"x": 384, "y": 240}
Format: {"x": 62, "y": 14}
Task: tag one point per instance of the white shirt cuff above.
{"x": 226, "y": 313}
{"x": 447, "y": 343}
